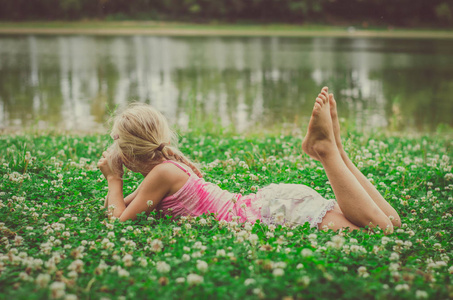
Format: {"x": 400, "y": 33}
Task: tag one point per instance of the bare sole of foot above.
{"x": 320, "y": 136}
{"x": 335, "y": 126}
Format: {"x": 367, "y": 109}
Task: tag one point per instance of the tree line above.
{"x": 373, "y": 12}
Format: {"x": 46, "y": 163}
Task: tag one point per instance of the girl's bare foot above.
{"x": 320, "y": 139}
{"x": 335, "y": 126}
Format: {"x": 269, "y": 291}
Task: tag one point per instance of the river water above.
{"x": 76, "y": 82}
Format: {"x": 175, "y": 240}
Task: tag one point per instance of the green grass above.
{"x": 56, "y": 241}
{"x": 178, "y": 28}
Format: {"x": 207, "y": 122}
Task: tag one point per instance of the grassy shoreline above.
{"x": 188, "y": 29}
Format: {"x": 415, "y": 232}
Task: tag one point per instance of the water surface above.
{"x": 74, "y": 82}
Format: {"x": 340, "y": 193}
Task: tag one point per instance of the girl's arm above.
{"x": 132, "y": 196}
{"x": 154, "y": 188}
{"x": 156, "y": 185}
{"x": 128, "y": 198}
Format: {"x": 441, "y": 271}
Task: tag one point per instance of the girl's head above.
{"x": 138, "y": 132}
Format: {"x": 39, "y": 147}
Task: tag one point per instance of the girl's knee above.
{"x": 378, "y": 218}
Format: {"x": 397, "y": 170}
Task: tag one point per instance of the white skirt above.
{"x": 292, "y": 205}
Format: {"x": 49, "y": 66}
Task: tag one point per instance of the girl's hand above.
{"x": 110, "y": 166}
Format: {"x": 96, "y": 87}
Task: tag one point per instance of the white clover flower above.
{"x": 421, "y": 294}
{"x": 149, "y": 203}
{"x": 194, "y": 279}
{"x": 122, "y": 272}
{"x": 156, "y": 245}
{"x": 279, "y": 218}
{"x": 163, "y": 267}
{"x": 299, "y": 266}
{"x": 185, "y": 257}
{"x": 440, "y": 264}
{"x": 180, "y": 280}
{"x": 128, "y": 260}
{"x": 42, "y": 280}
{"x": 259, "y": 292}
{"x": 221, "y": 252}
{"x": 278, "y": 272}
{"x": 305, "y": 280}
{"x": 76, "y": 265}
{"x": 312, "y": 237}
{"x": 279, "y": 264}
{"x": 73, "y": 274}
{"x": 57, "y": 289}
{"x": 402, "y": 287}
{"x": 450, "y": 270}
{"x": 233, "y": 224}
{"x": 306, "y": 252}
{"x": 394, "y": 256}
{"x": 249, "y": 281}
{"x": 70, "y": 297}
{"x": 269, "y": 235}
{"x": 142, "y": 262}
{"x": 102, "y": 266}
{"x": 363, "y": 272}
{"x": 18, "y": 240}
{"x": 400, "y": 169}
{"x": 202, "y": 266}
{"x": 253, "y": 239}
{"x": 222, "y": 223}
{"x": 248, "y": 226}
{"x": 448, "y": 176}
{"x": 394, "y": 267}
{"x": 337, "y": 241}
{"x": 385, "y": 240}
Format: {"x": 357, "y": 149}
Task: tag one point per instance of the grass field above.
{"x": 213, "y": 29}
{"x": 57, "y": 243}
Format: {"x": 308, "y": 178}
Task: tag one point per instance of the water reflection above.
{"x": 76, "y": 81}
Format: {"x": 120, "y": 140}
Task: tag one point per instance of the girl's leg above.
{"x": 366, "y": 184}
{"x": 355, "y": 203}
{"x": 335, "y": 220}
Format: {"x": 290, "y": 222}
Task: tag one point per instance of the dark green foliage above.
{"x": 377, "y": 12}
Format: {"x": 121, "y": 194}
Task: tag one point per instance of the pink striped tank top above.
{"x": 197, "y": 197}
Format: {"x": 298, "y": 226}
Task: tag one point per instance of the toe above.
{"x": 317, "y": 108}
{"x": 333, "y": 103}
{"x": 324, "y": 96}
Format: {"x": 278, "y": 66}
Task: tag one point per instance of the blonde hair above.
{"x": 138, "y": 132}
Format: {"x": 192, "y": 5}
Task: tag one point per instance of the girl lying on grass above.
{"x": 143, "y": 143}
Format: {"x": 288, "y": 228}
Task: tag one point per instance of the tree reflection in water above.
{"x": 75, "y": 81}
